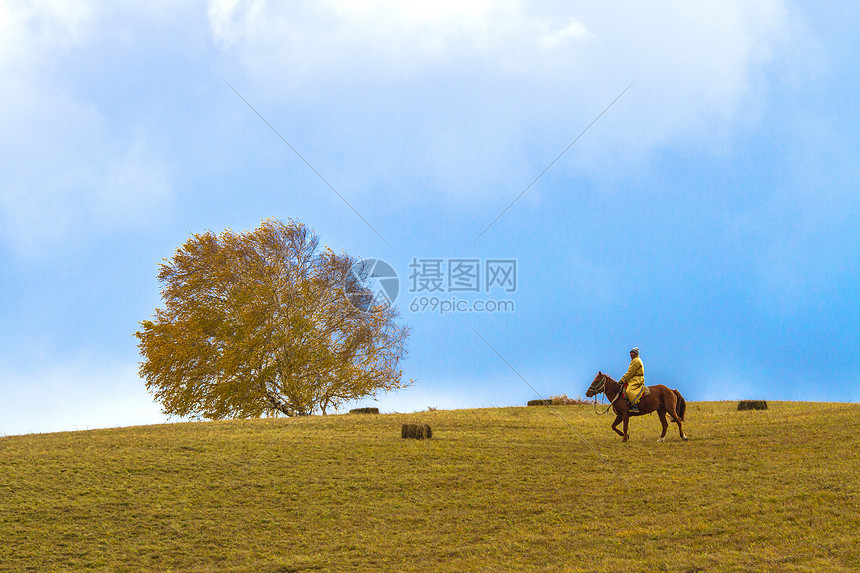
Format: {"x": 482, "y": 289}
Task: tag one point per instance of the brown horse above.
{"x": 660, "y": 400}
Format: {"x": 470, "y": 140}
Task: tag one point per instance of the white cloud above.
{"x": 497, "y": 89}
{"x": 58, "y": 193}
{"x": 32, "y": 32}
{"x": 66, "y": 167}
{"x": 573, "y": 31}
{"x": 384, "y": 36}
{"x": 78, "y": 395}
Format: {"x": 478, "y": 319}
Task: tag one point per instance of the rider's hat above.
{"x": 635, "y": 350}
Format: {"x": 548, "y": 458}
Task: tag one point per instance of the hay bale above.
{"x": 416, "y": 431}
{"x": 540, "y": 402}
{"x": 752, "y": 405}
{"x": 364, "y": 411}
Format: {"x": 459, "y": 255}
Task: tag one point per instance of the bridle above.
{"x": 602, "y": 389}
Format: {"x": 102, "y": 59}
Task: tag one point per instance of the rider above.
{"x": 634, "y": 381}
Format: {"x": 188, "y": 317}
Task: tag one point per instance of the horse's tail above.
{"x": 682, "y": 405}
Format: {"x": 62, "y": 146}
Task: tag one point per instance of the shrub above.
{"x": 540, "y": 403}
{"x": 563, "y": 400}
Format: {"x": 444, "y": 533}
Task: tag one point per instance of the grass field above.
{"x": 508, "y": 489}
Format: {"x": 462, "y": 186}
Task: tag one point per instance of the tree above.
{"x": 264, "y": 322}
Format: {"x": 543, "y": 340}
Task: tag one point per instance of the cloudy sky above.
{"x": 708, "y": 210}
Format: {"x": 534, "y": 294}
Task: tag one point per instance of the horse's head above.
{"x": 597, "y": 385}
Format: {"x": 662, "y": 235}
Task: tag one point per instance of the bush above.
{"x": 364, "y": 411}
{"x": 752, "y": 405}
{"x": 563, "y": 400}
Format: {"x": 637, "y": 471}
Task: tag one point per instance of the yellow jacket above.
{"x": 635, "y": 379}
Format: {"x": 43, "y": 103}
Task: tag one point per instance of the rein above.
{"x": 602, "y": 389}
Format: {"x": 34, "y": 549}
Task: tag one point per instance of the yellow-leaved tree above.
{"x": 264, "y": 322}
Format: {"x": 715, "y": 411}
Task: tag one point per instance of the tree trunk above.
{"x": 279, "y": 405}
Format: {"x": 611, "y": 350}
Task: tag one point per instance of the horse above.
{"x": 660, "y": 400}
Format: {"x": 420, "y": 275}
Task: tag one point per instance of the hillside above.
{"x": 509, "y": 489}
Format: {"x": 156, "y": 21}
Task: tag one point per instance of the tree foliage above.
{"x": 264, "y": 322}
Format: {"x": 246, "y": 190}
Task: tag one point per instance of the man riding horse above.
{"x": 641, "y": 399}
{"x": 634, "y": 381}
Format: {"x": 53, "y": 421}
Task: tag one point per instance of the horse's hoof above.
{"x": 685, "y": 438}
{"x": 660, "y": 441}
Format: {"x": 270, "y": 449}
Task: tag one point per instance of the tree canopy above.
{"x": 264, "y": 322}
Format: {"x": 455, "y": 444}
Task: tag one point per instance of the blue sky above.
{"x": 710, "y": 216}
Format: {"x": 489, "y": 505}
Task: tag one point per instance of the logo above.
{"x": 372, "y": 283}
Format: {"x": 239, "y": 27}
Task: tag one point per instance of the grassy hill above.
{"x": 509, "y": 489}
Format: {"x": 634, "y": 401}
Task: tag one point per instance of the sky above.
{"x": 681, "y": 177}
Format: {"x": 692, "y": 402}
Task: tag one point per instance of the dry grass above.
{"x": 510, "y": 489}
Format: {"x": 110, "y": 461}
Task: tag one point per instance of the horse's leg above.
{"x": 674, "y": 412}
{"x": 671, "y": 407}
{"x": 661, "y": 411}
{"x": 625, "y": 434}
{"x": 615, "y": 425}
{"x": 681, "y": 431}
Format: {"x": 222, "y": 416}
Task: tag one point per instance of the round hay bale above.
{"x": 364, "y": 411}
{"x": 540, "y": 402}
{"x": 416, "y": 431}
{"x": 752, "y": 405}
